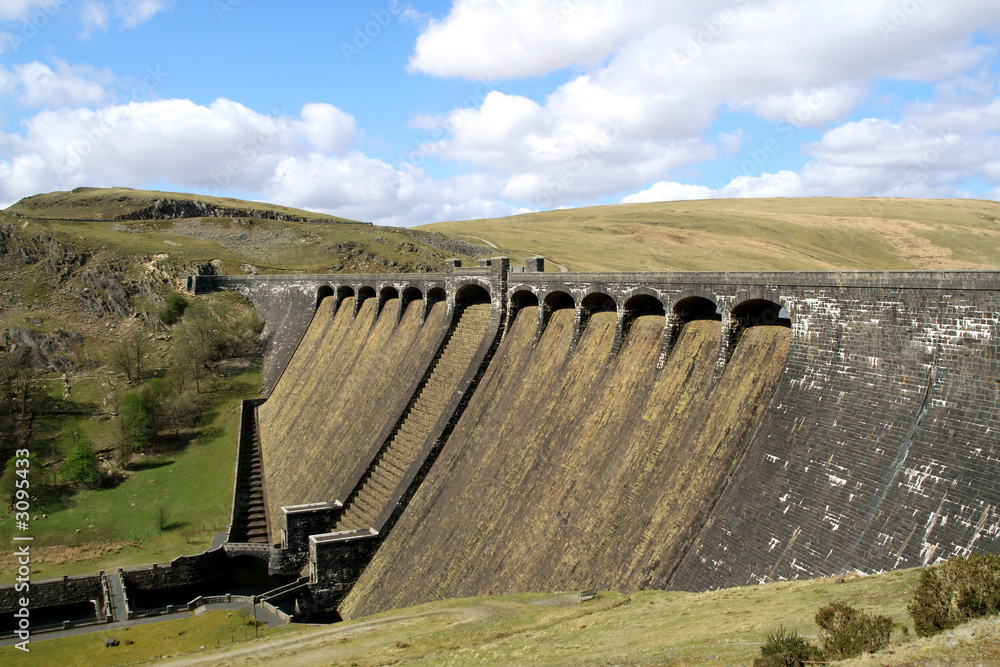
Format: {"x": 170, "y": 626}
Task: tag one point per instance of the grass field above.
{"x": 170, "y": 503}
{"x": 820, "y": 233}
{"x": 641, "y": 628}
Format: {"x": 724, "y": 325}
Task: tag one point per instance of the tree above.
{"x": 18, "y": 380}
{"x": 81, "y": 464}
{"x": 137, "y": 423}
{"x": 128, "y": 355}
{"x": 196, "y": 341}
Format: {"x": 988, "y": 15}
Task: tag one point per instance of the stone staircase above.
{"x": 396, "y": 458}
{"x": 250, "y": 522}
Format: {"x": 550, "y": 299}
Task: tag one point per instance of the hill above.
{"x": 819, "y": 233}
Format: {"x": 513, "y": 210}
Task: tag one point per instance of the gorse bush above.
{"x": 847, "y": 632}
{"x": 954, "y": 592}
{"x": 786, "y": 649}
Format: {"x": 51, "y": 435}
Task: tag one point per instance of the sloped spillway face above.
{"x": 567, "y": 471}
{"x": 346, "y": 382}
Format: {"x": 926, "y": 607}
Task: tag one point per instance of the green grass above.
{"x": 820, "y": 233}
{"x": 223, "y": 628}
{"x": 193, "y": 485}
{"x": 641, "y": 628}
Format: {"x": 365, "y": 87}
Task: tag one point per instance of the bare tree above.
{"x": 128, "y": 355}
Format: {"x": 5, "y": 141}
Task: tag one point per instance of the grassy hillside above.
{"x": 641, "y": 628}
{"x": 819, "y": 233}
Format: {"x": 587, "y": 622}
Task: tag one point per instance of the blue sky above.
{"x": 407, "y": 112}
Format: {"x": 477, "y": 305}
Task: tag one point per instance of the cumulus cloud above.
{"x": 96, "y": 15}
{"x": 20, "y": 10}
{"x": 39, "y": 85}
{"x": 665, "y": 71}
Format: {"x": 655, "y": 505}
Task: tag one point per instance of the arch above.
{"x": 470, "y": 294}
{"x": 520, "y": 299}
{"x": 598, "y": 302}
{"x": 323, "y": 292}
{"x": 558, "y": 301}
{"x": 696, "y": 308}
{"x": 388, "y": 292}
{"x": 759, "y": 312}
{"x": 643, "y": 304}
{"x": 410, "y": 294}
{"x": 435, "y": 295}
{"x": 595, "y": 302}
{"x": 344, "y": 292}
{"x": 366, "y": 292}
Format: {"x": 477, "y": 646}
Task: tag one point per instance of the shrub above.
{"x": 954, "y": 592}
{"x": 848, "y": 632}
{"x": 81, "y": 464}
{"x": 173, "y": 308}
{"x": 786, "y": 649}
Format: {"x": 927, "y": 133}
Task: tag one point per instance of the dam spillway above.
{"x": 622, "y": 431}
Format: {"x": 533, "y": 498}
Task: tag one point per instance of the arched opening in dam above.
{"x": 554, "y": 301}
{"x": 470, "y": 295}
{"x": 640, "y": 305}
{"x": 754, "y": 313}
{"x": 322, "y": 293}
{"x": 519, "y": 300}
{"x": 593, "y": 303}
{"x": 387, "y": 294}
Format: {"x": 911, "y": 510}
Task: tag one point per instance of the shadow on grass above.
{"x": 149, "y": 463}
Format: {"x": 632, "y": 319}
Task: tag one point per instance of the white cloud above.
{"x": 21, "y": 10}
{"x": 67, "y": 85}
{"x": 512, "y": 38}
{"x": 668, "y": 191}
{"x": 96, "y": 15}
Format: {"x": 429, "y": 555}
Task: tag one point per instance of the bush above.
{"x": 848, "y": 632}
{"x": 954, "y": 592}
{"x": 173, "y": 308}
{"x": 81, "y": 464}
{"x": 786, "y": 649}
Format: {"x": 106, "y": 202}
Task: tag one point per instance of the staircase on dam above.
{"x": 250, "y": 522}
{"x": 404, "y": 446}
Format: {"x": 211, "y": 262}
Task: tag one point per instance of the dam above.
{"x": 491, "y": 430}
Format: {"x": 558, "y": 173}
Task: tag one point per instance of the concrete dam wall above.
{"x": 490, "y": 431}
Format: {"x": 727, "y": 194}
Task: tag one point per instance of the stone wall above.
{"x": 53, "y": 592}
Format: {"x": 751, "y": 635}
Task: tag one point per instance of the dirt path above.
{"x": 271, "y": 650}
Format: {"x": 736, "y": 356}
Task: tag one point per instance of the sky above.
{"x": 406, "y": 112}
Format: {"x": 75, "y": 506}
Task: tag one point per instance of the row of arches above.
{"x": 752, "y": 312}
{"x": 467, "y": 294}
{"x": 748, "y": 313}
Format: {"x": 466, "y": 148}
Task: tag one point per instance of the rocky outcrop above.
{"x": 57, "y": 351}
{"x": 173, "y": 209}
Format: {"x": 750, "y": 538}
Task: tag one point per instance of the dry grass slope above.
{"x": 819, "y": 233}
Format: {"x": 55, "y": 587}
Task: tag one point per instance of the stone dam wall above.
{"x": 619, "y": 431}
